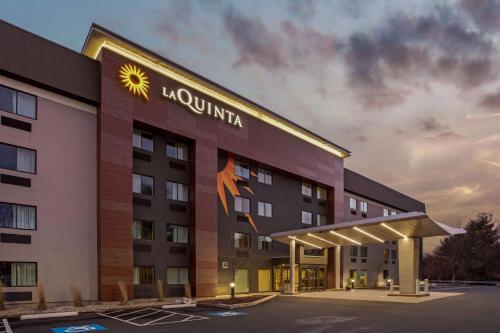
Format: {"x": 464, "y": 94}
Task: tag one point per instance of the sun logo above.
{"x": 135, "y": 80}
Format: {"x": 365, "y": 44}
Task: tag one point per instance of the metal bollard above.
{"x": 391, "y": 286}
{"x": 417, "y": 285}
{"x": 426, "y": 286}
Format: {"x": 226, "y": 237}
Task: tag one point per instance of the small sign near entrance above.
{"x": 226, "y": 313}
{"x": 79, "y": 329}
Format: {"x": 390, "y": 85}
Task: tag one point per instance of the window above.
{"x": 306, "y": 217}
{"x": 364, "y": 251}
{"x": 18, "y": 274}
{"x": 17, "y": 158}
{"x": 144, "y": 275}
{"x": 321, "y": 193}
{"x": 265, "y": 242}
{"x": 142, "y": 184}
{"x": 353, "y": 203}
{"x": 177, "y": 275}
{"x": 241, "y": 240}
{"x": 143, "y": 140}
{"x": 386, "y": 212}
{"x": 386, "y": 274}
{"x": 265, "y": 209}
{"x": 241, "y": 204}
{"x": 242, "y": 169}
{"x": 177, "y": 191}
{"x": 353, "y": 250}
{"x": 363, "y": 206}
{"x": 394, "y": 213}
{"x": 394, "y": 254}
{"x": 177, "y": 150}
{"x": 320, "y": 220}
{"x": 177, "y": 233}
{"x": 143, "y": 230}
{"x": 386, "y": 254}
{"x": 313, "y": 252}
{"x": 264, "y": 176}
{"x": 17, "y": 102}
{"x": 17, "y": 216}
{"x": 307, "y": 189}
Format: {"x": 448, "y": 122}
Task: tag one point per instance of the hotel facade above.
{"x": 117, "y": 164}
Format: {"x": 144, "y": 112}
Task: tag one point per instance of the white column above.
{"x": 292, "y": 266}
{"x": 337, "y": 267}
{"x": 409, "y": 258}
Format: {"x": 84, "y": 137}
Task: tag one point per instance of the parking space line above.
{"x": 127, "y": 313}
{"x": 6, "y": 327}
{"x": 145, "y": 315}
{"x": 158, "y": 319}
{"x": 178, "y": 317}
{"x": 119, "y": 319}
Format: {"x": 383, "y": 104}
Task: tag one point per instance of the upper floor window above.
{"x": 353, "y": 203}
{"x": 143, "y": 184}
{"x": 17, "y": 216}
{"x": 177, "y": 275}
{"x": 177, "y": 233}
{"x": 177, "y": 150}
{"x": 177, "y": 191}
{"x": 307, "y": 189}
{"x": 386, "y": 254}
{"x": 265, "y": 242}
{"x": 17, "y": 158}
{"x": 364, "y": 251}
{"x": 144, "y": 275}
{"x": 353, "y": 251}
{"x": 363, "y": 206}
{"x": 394, "y": 213}
{"x": 386, "y": 212}
{"x": 320, "y": 220}
{"x": 265, "y": 209}
{"x": 17, "y": 102}
{"x": 394, "y": 254}
{"x": 306, "y": 217}
{"x": 242, "y": 169}
{"x": 241, "y": 240}
{"x": 264, "y": 176}
{"x": 241, "y": 204}
{"x": 18, "y": 274}
{"x": 143, "y": 230}
{"x": 321, "y": 193}
{"x": 143, "y": 139}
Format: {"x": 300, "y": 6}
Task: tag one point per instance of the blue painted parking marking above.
{"x": 79, "y": 329}
{"x": 226, "y": 313}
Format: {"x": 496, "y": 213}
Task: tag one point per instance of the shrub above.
{"x": 77, "y": 297}
{"x": 2, "y": 301}
{"x": 42, "y": 301}
{"x": 187, "y": 290}
{"x": 123, "y": 292}
{"x": 159, "y": 290}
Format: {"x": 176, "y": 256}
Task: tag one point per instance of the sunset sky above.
{"x": 412, "y": 88}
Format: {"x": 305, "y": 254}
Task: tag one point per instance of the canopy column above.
{"x": 338, "y": 259}
{"x": 292, "y": 266}
{"x": 409, "y": 260}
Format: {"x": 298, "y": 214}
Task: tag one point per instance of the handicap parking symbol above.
{"x": 226, "y": 313}
{"x": 79, "y": 329}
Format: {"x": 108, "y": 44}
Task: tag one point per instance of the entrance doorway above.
{"x": 282, "y": 277}
{"x": 363, "y": 279}
{"x": 312, "y": 278}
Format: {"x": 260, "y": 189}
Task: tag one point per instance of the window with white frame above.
{"x": 386, "y": 212}
{"x": 321, "y": 193}
{"x": 265, "y": 242}
{"x": 363, "y": 206}
{"x": 353, "y": 203}
{"x": 264, "y": 176}
{"x": 18, "y": 102}
{"x": 306, "y": 217}
{"x": 177, "y": 150}
{"x": 320, "y": 220}
{"x": 265, "y": 209}
{"x": 307, "y": 189}
{"x": 177, "y": 275}
{"x": 394, "y": 213}
{"x": 241, "y": 240}
{"x": 144, "y": 275}
{"x": 143, "y": 140}
{"x": 143, "y": 230}
{"x": 17, "y": 158}
{"x": 17, "y": 216}
{"x": 142, "y": 184}
{"x": 177, "y": 233}
{"x": 241, "y": 204}
{"x": 242, "y": 169}
{"x": 18, "y": 274}
{"x": 177, "y": 191}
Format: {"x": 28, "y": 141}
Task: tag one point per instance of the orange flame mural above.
{"x": 226, "y": 179}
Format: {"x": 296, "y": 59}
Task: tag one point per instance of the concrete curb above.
{"x": 48, "y": 315}
{"x": 236, "y": 306}
{"x": 179, "y": 306}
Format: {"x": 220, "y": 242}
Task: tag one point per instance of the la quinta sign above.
{"x": 200, "y": 106}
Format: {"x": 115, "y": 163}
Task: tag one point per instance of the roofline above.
{"x": 342, "y": 152}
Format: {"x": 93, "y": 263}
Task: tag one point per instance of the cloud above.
{"x": 484, "y": 13}
{"x": 430, "y": 124}
{"x": 302, "y": 9}
{"x": 491, "y": 101}
{"x": 445, "y": 137}
{"x": 177, "y": 15}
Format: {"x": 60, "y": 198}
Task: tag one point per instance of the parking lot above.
{"x": 474, "y": 311}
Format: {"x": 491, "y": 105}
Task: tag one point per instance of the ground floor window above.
{"x": 144, "y": 275}
{"x": 177, "y": 275}
{"x": 242, "y": 281}
{"x": 18, "y": 274}
{"x": 264, "y": 280}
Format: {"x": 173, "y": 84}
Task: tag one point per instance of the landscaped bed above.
{"x": 233, "y": 303}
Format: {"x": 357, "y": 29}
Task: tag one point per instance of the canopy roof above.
{"x": 368, "y": 231}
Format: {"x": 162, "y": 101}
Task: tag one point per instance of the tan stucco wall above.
{"x": 64, "y": 191}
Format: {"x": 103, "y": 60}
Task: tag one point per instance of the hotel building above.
{"x": 117, "y": 164}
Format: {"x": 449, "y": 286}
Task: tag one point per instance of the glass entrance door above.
{"x": 282, "y": 277}
{"x": 312, "y": 278}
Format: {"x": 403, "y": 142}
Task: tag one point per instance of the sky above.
{"x": 411, "y": 88}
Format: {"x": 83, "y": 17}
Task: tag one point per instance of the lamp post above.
{"x": 232, "y": 289}
{"x": 352, "y": 284}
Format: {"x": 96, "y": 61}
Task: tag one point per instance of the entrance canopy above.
{"x": 368, "y": 231}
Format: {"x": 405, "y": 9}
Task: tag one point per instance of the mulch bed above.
{"x": 232, "y": 301}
